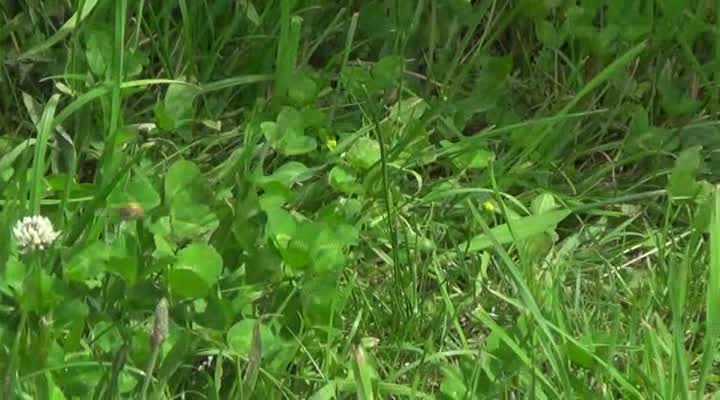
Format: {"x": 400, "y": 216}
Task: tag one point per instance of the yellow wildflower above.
{"x": 331, "y": 144}
{"x": 489, "y": 206}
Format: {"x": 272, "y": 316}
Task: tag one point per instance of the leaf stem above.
{"x": 149, "y": 371}
{"x": 9, "y": 381}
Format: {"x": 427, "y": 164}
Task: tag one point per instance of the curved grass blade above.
{"x": 64, "y": 30}
{"x": 45, "y": 129}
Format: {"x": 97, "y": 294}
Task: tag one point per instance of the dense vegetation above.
{"x": 398, "y": 199}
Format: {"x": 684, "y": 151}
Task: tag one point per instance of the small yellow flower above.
{"x": 331, "y": 144}
{"x": 489, "y": 206}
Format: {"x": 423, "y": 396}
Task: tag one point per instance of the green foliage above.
{"x": 364, "y": 153}
{"x": 682, "y": 181}
{"x": 287, "y": 133}
{"x": 240, "y": 336}
{"x": 196, "y": 271}
{"x": 408, "y": 199}
{"x": 188, "y": 197}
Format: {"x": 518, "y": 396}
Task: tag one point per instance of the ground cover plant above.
{"x": 399, "y": 199}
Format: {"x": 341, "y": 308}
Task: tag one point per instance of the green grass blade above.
{"x": 554, "y": 352}
{"x": 254, "y": 358}
{"x": 516, "y": 348}
{"x": 556, "y": 142}
{"x": 103, "y": 90}
{"x": 516, "y": 230}
{"x": 287, "y": 51}
{"x": 712, "y": 305}
{"x": 118, "y": 63}
{"x": 233, "y": 82}
{"x": 45, "y": 129}
{"x": 362, "y": 373}
{"x": 64, "y": 30}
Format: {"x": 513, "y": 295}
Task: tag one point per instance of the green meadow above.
{"x": 376, "y": 199}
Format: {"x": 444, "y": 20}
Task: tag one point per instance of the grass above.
{"x": 379, "y": 199}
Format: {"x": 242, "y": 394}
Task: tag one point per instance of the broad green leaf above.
{"x": 474, "y": 159}
{"x": 302, "y": 90}
{"x": 138, "y": 189}
{"x": 161, "y": 230}
{"x": 522, "y": 228}
{"x": 321, "y": 301}
{"x": 364, "y": 153}
{"x": 239, "y": 337}
{"x": 266, "y": 265}
{"x": 314, "y": 118}
{"x": 682, "y": 182}
{"x": 56, "y": 392}
{"x": 579, "y": 355}
{"x": 275, "y": 195}
{"x": 99, "y": 53}
{"x": 327, "y": 249}
{"x": 320, "y": 245}
{"x": 79, "y": 382}
{"x": 537, "y": 247}
{"x": 182, "y": 176}
{"x": 197, "y": 269}
{"x": 408, "y": 110}
{"x": 287, "y": 134}
{"x": 99, "y": 50}
{"x": 287, "y": 174}
{"x": 271, "y": 131}
{"x": 134, "y": 63}
{"x": 70, "y": 311}
{"x": 281, "y": 226}
{"x": 290, "y": 119}
{"x": 356, "y": 79}
{"x": 466, "y": 156}
{"x": 297, "y": 252}
{"x": 343, "y": 180}
{"x": 141, "y": 190}
{"x": 187, "y": 283}
{"x": 296, "y": 145}
{"x": 543, "y": 203}
{"x": 387, "y": 72}
{"x": 88, "y": 263}
{"x": 14, "y": 273}
{"x": 40, "y": 292}
{"x": 187, "y": 193}
{"x": 466, "y": 108}
{"x": 493, "y": 77}
{"x": 674, "y": 94}
{"x": 163, "y": 119}
{"x": 191, "y": 219}
{"x": 327, "y": 392}
{"x": 179, "y": 100}
{"x": 547, "y": 34}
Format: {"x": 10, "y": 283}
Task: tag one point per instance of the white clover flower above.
{"x": 34, "y": 233}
